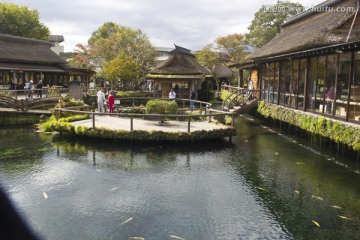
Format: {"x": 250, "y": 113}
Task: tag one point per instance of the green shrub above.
{"x": 161, "y": 107}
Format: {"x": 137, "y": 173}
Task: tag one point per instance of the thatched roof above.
{"x": 223, "y": 71}
{"x": 310, "y": 30}
{"x": 181, "y": 63}
{"x": 26, "y": 50}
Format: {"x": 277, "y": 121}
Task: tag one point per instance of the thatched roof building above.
{"x": 328, "y": 23}
{"x": 180, "y": 66}
{"x": 26, "y": 50}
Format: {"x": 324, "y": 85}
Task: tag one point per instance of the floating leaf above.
{"x": 176, "y": 237}
{"x": 316, "y": 223}
{"x": 317, "y": 197}
{"x": 45, "y": 195}
{"x": 337, "y": 207}
{"x": 113, "y": 189}
{"x": 128, "y": 220}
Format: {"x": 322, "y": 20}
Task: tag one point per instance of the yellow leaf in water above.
{"x": 318, "y": 198}
{"x": 176, "y": 237}
{"x": 128, "y": 220}
{"x": 337, "y": 207}
{"x": 316, "y": 223}
{"x": 45, "y": 195}
{"x": 343, "y": 217}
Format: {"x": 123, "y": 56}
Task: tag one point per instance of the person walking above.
{"x": 192, "y": 99}
{"x": 172, "y": 95}
{"x": 111, "y": 101}
{"x": 101, "y": 100}
{"x": 39, "y": 87}
{"x": 250, "y": 89}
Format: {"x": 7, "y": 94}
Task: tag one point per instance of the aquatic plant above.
{"x": 337, "y": 131}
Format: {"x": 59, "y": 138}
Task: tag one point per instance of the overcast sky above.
{"x": 188, "y": 23}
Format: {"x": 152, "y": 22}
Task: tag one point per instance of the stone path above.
{"x": 121, "y": 123}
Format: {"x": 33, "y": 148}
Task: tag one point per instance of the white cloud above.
{"x": 188, "y": 23}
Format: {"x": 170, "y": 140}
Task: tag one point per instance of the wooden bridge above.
{"x": 25, "y": 104}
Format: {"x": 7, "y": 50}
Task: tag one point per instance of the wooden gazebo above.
{"x": 180, "y": 71}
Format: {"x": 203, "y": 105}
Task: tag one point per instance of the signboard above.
{"x": 91, "y": 85}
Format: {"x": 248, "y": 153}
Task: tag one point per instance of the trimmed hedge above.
{"x": 334, "y": 130}
{"x": 161, "y": 107}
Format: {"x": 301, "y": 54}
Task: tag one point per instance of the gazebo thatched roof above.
{"x": 26, "y": 50}
{"x": 180, "y": 65}
{"x": 312, "y": 29}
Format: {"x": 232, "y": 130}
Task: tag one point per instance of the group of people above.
{"x": 30, "y": 89}
{"x": 172, "y": 96}
{"x": 101, "y": 100}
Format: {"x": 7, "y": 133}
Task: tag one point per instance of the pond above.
{"x": 265, "y": 184}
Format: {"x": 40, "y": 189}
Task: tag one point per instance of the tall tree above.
{"x": 81, "y": 57}
{"x": 112, "y": 40}
{"x": 234, "y": 45}
{"x": 209, "y": 58}
{"x": 122, "y": 68}
{"x": 20, "y": 21}
{"x": 267, "y": 21}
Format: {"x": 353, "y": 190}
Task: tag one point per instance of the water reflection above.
{"x": 265, "y": 185}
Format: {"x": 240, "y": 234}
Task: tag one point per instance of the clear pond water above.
{"x": 262, "y": 185}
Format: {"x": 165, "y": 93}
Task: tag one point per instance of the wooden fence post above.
{"x": 93, "y": 120}
{"x": 131, "y": 124}
{"x": 189, "y": 118}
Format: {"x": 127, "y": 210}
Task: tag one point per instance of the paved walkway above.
{"x": 121, "y": 123}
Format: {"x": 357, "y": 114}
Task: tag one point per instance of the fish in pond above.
{"x": 317, "y": 197}
{"x": 128, "y": 220}
{"x": 176, "y": 237}
{"x": 45, "y": 195}
{"x": 343, "y": 217}
{"x": 316, "y": 223}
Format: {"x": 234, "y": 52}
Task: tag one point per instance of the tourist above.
{"x": 31, "y": 88}
{"x": 12, "y": 85}
{"x": 39, "y": 87}
{"x": 172, "y": 95}
{"x": 111, "y": 101}
{"x": 250, "y": 89}
{"x": 27, "y": 88}
{"x": 101, "y": 100}
{"x": 192, "y": 99}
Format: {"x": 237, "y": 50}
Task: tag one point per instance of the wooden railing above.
{"x": 206, "y": 114}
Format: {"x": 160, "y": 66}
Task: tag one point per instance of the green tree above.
{"x": 122, "y": 68}
{"x": 112, "y": 40}
{"x": 209, "y": 58}
{"x": 266, "y": 23}
{"x": 234, "y": 45}
{"x": 20, "y": 21}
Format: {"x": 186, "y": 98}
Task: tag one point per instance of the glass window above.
{"x": 342, "y": 87}
{"x": 293, "y": 85}
{"x": 263, "y": 82}
{"x": 330, "y": 83}
{"x": 285, "y": 82}
{"x": 320, "y": 86}
{"x": 276, "y": 82}
{"x": 354, "y": 110}
{"x": 311, "y": 86}
{"x": 301, "y": 89}
{"x": 269, "y": 82}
